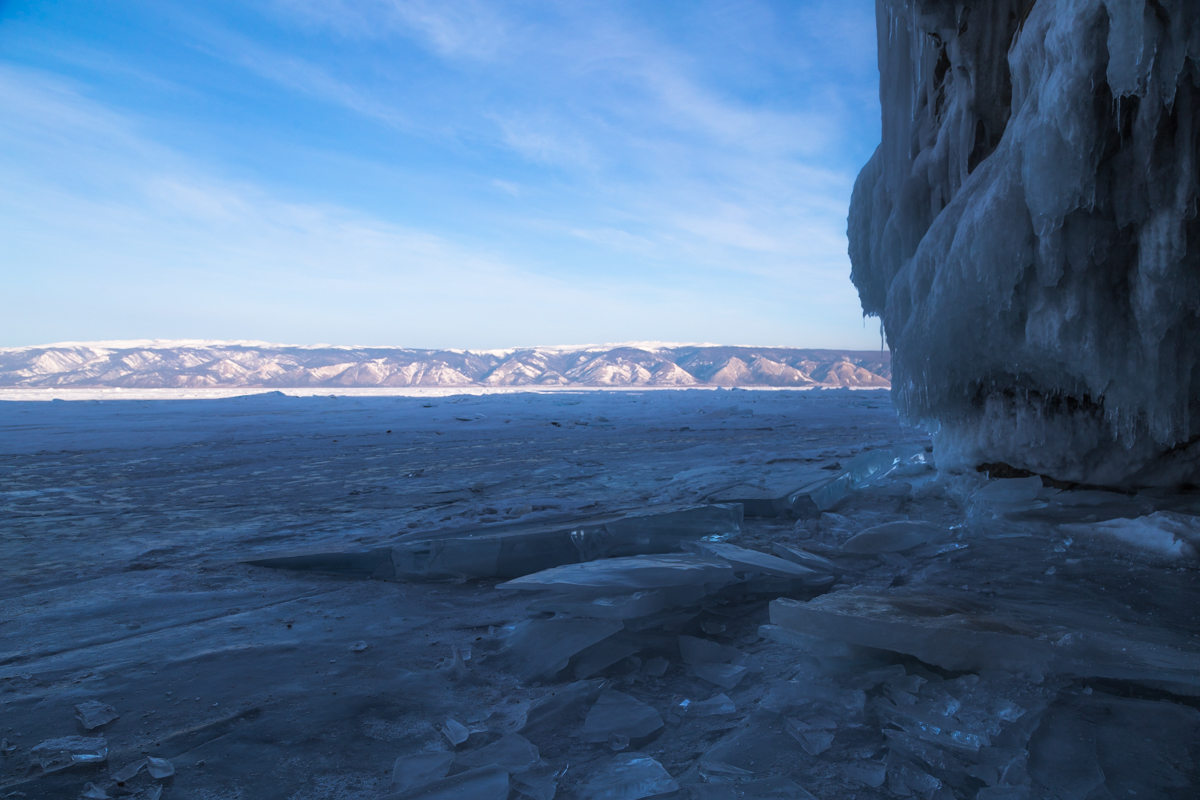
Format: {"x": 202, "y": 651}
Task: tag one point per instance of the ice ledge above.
{"x": 1027, "y": 231}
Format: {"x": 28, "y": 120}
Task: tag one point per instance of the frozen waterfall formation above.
{"x": 1027, "y": 232}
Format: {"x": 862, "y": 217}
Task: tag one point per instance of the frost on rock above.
{"x": 1027, "y": 232}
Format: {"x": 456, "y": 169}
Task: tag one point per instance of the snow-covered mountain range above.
{"x": 214, "y": 364}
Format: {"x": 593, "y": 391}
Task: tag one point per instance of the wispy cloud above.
{"x": 460, "y": 29}
{"x": 545, "y": 141}
{"x": 465, "y": 160}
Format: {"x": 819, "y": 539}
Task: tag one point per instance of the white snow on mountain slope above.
{"x": 202, "y": 364}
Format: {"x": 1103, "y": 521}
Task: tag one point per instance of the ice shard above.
{"x": 621, "y": 576}
{"x": 1027, "y": 232}
{"x": 970, "y": 633}
{"x": 513, "y": 752}
{"x": 541, "y": 648}
{"x": 629, "y": 776}
{"x": 69, "y": 751}
{"x": 419, "y": 769}
{"x": 894, "y": 537}
{"x": 752, "y": 561}
{"x": 94, "y": 714}
{"x": 618, "y": 713}
{"x": 516, "y": 549}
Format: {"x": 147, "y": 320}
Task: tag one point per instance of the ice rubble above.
{"x": 514, "y": 549}
{"x": 903, "y": 679}
{"x": 1027, "y": 232}
{"x": 927, "y": 636}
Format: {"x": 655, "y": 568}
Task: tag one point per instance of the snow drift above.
{"x": 1027, "y": 232}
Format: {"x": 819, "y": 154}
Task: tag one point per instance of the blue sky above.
{"x": 433, "y": 174}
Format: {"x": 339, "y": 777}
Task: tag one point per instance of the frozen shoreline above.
{"x": 939, "y": 636}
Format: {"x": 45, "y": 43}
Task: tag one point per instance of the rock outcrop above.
{"x": 1027, "y": 231}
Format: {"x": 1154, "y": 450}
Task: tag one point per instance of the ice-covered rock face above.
{"x": 1027, "y": 231}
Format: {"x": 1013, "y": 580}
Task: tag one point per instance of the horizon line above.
{"x": 650, "y": 345}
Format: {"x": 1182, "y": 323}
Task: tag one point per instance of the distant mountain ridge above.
{"x": 214, "y": 364}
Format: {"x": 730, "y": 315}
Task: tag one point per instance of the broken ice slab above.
{"x": 1010, "y": 494}
{"x": 789, "y": 696}
{"x": 419, "y": 769}
{"x": 815, "y": 734}
{"x": 894, "y": 537}
{"x": 632, "y": 606}
{"x": 656, "y": 667}
{"x": 539, "y": 783}
{"x": 716, "y": 705}
{"x": 1075, "y": 504}
{"x": 455, "y": 731}
{"x": 629, "y": 776}
{"x": 860, "y": 471}
{"x": 616, "y": 713}
{"x": 699, "y": 651}
{"x": 768, "y": 502}
{"x": 93, "y": 792}
{"x": 159, "y": 768}
{"x": 868, "y": 773}
{"x": 56, "y": 754}
{"x": 541, "y": 648}
{"x": 515, "y": 549}
{"x": 720, "y": 772}
{"x": 906, "y": 778}
{"x": 1164, "y": 534}
{"x": 760, "y": 789}
{"x": 128, "y": 772}
{"x": 605, "y": 653}
{"x": 752, "y": 561}
{"x": 513, "y": 752}
{"x": 934, "y": 725}
{"x": 94, "y": 714}
{"x": 1100, "y": 745}
{"x": 806, "y": 559}
{"x": 971, "y": 633}
{"x": 624, "y": 576}
{"x": 727, "y": 676}
{"x": 375, "y": 563}
{"x": 776, "y": 494}
{"x": 561, "y": 704}
{"x": 485, "y": 783}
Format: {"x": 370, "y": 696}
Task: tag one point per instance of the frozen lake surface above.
{"x": 897, "y": 632}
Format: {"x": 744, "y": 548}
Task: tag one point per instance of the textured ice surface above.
{"x": 752, "y": 561}
{"x": 1027, "y": 231}
{"x": 629, "y": 777}
{"x": 618, "y": 576}
{"x": 68, "y": 751}
{"x": 617, "y": 713}
{"x": 516, "y": 549}
{"x": 419, "y": 769}
{"x": 128, "y": 525}
{"x": 513, "y": 752}
{"x": 713, "y": 706}
{"x": 94, "y": 714}
{"x": 1163, "y": 533}
{"x": 892, "y": 537}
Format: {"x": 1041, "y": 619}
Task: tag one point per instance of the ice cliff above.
{"x": 1027, "y": 232}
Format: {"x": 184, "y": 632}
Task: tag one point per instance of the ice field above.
{"x": 706, "y": 594}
